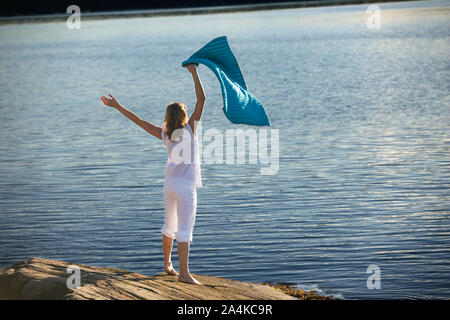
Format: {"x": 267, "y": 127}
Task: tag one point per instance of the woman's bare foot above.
{"x": 170, "y": 270}
{"x": 188, "y": 279}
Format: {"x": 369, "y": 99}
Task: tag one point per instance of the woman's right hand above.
{"x": 191, "y": 67}
{"x": 113, "y": 103}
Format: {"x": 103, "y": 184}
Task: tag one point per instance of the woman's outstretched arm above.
{"x": 146, "y": 125}
{"x": 200, "y": 94}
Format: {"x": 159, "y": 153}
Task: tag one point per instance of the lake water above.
{"x": 363, "y": 118}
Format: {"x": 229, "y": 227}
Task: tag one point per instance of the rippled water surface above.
{"x": 363, "y": 117}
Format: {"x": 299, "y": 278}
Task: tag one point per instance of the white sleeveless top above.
{"x": 184, "y": 155}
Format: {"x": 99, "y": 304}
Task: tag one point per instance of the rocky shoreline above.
{"x": 187, "y": 11}
{"x": 42, "y": 279}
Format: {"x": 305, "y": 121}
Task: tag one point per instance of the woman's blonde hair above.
{"x": 176, "y": 117}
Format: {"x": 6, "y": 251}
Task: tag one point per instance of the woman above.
{"x": 182, "y": 175}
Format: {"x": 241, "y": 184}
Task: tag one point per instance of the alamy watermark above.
{"x": 234, "y": 146}
{"x": 374, "y": 280}
{"x": 74, "y": 20}
{"x": 74, "y": 280}
{"x": 373, "y": 22}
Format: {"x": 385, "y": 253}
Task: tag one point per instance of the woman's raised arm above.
{"x": 200, "y": 94}
{"x": 146, "y": 125}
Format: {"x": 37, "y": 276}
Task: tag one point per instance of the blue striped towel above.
{"x": 239, "y": 105}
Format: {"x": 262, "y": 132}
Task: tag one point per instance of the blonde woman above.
{"x": 182, "y": 173}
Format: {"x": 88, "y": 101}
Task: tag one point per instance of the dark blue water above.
{"x": 363, "y": 118}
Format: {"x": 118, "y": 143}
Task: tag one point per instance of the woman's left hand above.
{"x": 113, "y": 103}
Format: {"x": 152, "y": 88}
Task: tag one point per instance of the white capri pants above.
{"x": 180, "y": 203}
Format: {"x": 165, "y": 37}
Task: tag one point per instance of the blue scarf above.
{"x": 239, "y": 105}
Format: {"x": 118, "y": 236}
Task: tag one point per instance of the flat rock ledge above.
{"x": 41, "y": 279}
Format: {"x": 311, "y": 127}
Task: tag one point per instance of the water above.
{"x": 364, "y": 161}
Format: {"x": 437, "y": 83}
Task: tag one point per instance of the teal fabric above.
{"x": 239, "y": 105}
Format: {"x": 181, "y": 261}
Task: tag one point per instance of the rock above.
{"x": 300, "y": 293}
{"x": 39, "y": 278}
